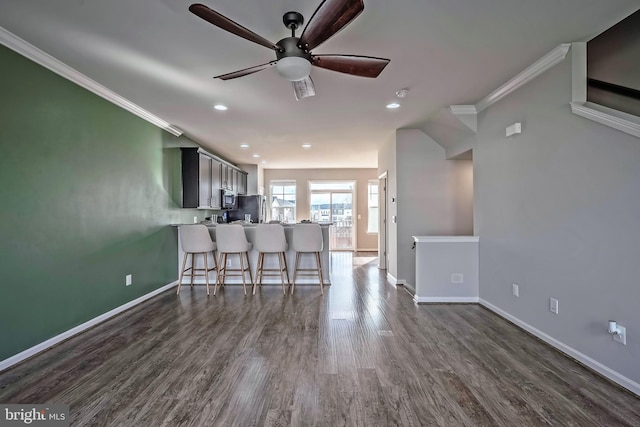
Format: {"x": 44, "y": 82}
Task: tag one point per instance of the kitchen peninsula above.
{"x": 270, "y": 261}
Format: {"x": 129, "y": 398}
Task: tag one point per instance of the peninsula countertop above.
{"x": 253, "y": 224}
{"x": 250, "y": 231}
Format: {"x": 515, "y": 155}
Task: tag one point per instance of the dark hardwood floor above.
{"x": 364, "y": 354}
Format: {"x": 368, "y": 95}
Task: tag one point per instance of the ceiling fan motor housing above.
{"x": 289, "y": 47}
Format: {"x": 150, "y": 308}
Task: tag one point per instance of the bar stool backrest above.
{"x": 307, "y": 238}
{"x": 270, "y": 238}
{"x": 195, "y": 238}
{"x": 231, "y": 238}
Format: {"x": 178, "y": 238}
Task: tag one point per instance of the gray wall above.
{"x": 433, "y": 195}
{"x": 557, "y": 209}
{"x": 387, "y": 163}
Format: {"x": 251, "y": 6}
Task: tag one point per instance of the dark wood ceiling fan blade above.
{"x": 246, "y": 71}
{"x": 363, "y": 66}
{"x": 330, "y": 17}
{"x": 227, "y": 24}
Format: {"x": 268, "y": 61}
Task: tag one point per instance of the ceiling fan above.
{"x": 293, "y": 54}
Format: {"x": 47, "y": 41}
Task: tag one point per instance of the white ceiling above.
{"x": 160, "y": 56}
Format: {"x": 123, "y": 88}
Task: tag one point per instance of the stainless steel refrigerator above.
{"x": 255, "y": 206}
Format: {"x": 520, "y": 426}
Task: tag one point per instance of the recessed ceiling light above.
{"x": 220, "y": 107}
{"x": 306, "y": 145}
{"x": 393, "y": 106}
{"x": 256, "y": 155}
{"x": 244, "y": 145}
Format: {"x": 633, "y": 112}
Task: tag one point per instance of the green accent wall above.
{"x": 87, "y": 195}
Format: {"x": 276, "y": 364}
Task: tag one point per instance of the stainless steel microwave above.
{"x": 229, "y": 200}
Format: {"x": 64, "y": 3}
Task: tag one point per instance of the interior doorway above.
{"x": 333, "y": 201}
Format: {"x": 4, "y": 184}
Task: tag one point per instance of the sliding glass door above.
{"x": 333, "y": 202}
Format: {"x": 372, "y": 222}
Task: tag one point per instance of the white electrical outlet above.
{"x": 457, "y": 278}
{"x": 621, "y": 336}
{"x": 553, "y": 305}
{"x": 195, "y": 219}
{"x": 128, "y": 280}
{"x": 515, "y": 289}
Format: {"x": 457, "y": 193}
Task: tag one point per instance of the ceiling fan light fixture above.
{"x": 293, "y": 68}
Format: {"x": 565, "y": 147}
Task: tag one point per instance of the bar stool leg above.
{"x": 193, "y": 268}
{"x": 244, "y": 285}
{"x": 215, "y": 285}
{"x": 318, "y": 261}
{"x": 281, "y": 266}
{"x": 286, "y": 268}
{"x": 206, "y": 270}
{"x": 215, "y": 266}
{"x": 221, "y": 271}
{"x": 259, "y": 271}
{"x": 295, "y": 272}
{"x": 184, "y": 264}
{"x": 246, "y": 254}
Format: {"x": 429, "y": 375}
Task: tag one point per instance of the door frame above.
{"x": 382, "y": 221}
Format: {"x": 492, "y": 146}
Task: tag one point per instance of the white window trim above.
{"x": 375, "y": 182}
{"x": 283, "y": 182}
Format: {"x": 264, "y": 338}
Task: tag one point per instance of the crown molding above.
{"x": 545, "y": 63}
{"x": 467, "y": 114}
{"x": 40, "y": 57}
{"x": 463, "y": 109}
{"x": 624, "y": 122}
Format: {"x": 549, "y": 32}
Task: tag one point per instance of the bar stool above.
{"x": 270, "y": 239}
{"x": 231, "y": 240}
{"x": 307, "y": 239}
{"x": 195, "y": 240}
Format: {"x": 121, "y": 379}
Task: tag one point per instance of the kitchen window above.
{"x": 283, "y": 201}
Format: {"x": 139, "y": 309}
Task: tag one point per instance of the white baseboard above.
{"x": 426, "y": 300}
{"x": 603, "y": 370}
{"x": 391, "y": 279}
{"x": 13, "y": 360}
{"x": 395, "y": 282}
